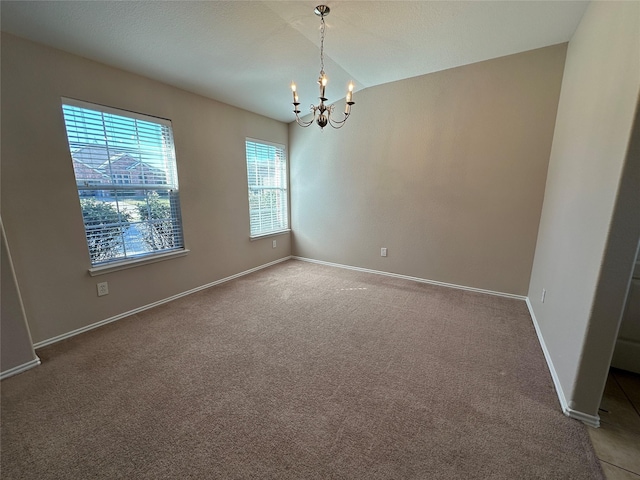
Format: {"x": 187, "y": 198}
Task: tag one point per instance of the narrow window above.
{"x": 267, "y": 179}
{"x": 125, "y": 169}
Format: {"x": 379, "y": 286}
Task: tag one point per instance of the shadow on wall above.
{"x": 626, "y": 355}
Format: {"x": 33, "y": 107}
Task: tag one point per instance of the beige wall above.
{"x": 446, "y": 170}
{"x": 40, "y": 207}
{"x": 586, "y": 244}
{"x": 15, "y": 342}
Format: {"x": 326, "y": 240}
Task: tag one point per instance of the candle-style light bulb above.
{"x": 293, "y": 90}
{"x": 349, "y": 100}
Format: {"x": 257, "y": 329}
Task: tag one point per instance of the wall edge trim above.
{"x": 590, "y": 420}
{"x": 415, "y": 279}
{"x": 100, "y": 323}
{"x": 20, "y": 368}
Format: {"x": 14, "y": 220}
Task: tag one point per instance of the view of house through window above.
{"x": 127, "y": 181}
{"x": 267, "y": 178}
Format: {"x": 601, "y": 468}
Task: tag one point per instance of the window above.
{"x": 267, "y": 177}
{"x": 125, "y": 169}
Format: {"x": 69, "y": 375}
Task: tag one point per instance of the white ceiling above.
{"x": 246, "y": 53}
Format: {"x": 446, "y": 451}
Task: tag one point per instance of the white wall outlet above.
{"x": 383, "y": 252}
{"x": 544, "y": 294}
{"x": 103, "y": 289}
{"x": 274, "y": 244}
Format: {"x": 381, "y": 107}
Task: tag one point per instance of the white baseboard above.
{"x": 415, "y": 279}
{"x": 20, "y": 368}
{"x": 591, "y": 420}
{"x": 78, "y": 331}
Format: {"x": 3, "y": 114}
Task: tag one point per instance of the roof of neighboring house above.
{"x": 84, "y": 171}
{"x": 98, "y": 158}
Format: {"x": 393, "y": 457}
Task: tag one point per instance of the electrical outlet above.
{"x": 274, "y": 244}
{"x": 383, "y": 252}
{"x": 103, "y": 289}
{"x": 544, "y": 294}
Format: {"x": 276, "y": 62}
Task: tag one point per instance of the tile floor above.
{"x": 617, "y": 441}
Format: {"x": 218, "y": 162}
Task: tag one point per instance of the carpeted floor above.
{"x": 298, "y": 371}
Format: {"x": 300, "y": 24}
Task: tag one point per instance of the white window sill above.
{"x": 114, "y": 267}
{"x": 271, "y": 234}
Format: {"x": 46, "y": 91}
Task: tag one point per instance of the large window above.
{"x": 267, "y": 177}
{"x": 125, "y": 169}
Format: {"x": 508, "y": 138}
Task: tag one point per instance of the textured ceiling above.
{"x": 246, "y": 53}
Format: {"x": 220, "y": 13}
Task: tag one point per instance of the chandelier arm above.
{"x": 302, "y": 123}
{"x": 338, "y": 123}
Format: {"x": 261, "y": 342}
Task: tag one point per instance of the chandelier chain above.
{"x": 322, "y": 45}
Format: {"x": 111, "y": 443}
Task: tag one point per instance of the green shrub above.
{"x": 105, "y": 227}
{"x": 157, "y": 229}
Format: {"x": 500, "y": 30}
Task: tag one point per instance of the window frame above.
{"x": 282, "y": 187}
{"x": 116, "y": 185}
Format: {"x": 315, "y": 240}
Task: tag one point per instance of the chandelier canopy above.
{"x": 322, "y": 113}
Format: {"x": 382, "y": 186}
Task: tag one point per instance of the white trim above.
{"x": 270, "y": 234}
{"x": 415, "y": 279}
{"x": 20, "y": 368}
{"x": 591, "y": 420}
{"x": 73, "y": 333}
{"x": 136, "y": 262}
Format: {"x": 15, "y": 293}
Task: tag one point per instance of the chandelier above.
{"x": 322, "y": 113}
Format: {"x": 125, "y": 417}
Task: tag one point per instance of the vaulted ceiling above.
{"x": 246, "y": 53}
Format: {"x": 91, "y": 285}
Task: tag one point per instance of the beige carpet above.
{"x": 298, "y": 371}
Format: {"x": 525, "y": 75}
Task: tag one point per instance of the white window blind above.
{"x": 267, "y": 179}
{"x": 125, "y": 170}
